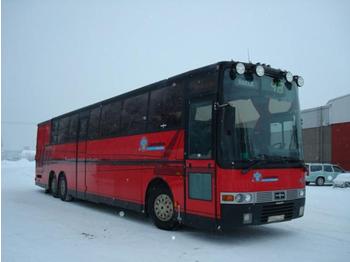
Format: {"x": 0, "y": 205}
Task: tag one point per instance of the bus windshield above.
{"x": 265, "y": 123}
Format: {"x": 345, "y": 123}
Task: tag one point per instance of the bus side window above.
{"x": 134, "y": 114}
{"x": 166, "y": 106}
{"x": 110, "y": 119}
{"x": 200, "y": 130}
{"x": 94, "y": 123}
{"x": 54, "y": 131}
{"x": 63, "y": 130}
{"x": 73, "y": 127}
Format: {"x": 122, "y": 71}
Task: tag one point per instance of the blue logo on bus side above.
{"x": 257, "y": 176}
{"x": 143, "y": 144}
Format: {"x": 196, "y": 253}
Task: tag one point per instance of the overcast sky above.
{"x": 59, "y": 55}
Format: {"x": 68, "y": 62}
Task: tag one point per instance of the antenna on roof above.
{"x": 248, "y": 56}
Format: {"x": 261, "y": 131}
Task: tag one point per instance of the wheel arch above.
{"x": 155, "y": 183}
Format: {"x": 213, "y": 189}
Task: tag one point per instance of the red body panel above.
{"x": 119, "y": 168}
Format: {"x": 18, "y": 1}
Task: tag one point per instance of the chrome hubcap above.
{"x": 163, "y": 207}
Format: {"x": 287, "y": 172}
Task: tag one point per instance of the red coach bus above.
{"x": 216, "y": 147}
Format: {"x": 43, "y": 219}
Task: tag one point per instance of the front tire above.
{"x": 63, "y": 189}
{"x": 161, "y": 208}
{"x": 320, "y": 181}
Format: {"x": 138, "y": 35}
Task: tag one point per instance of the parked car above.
{"x": 322, "y": 174}
{"x": 342, "y": 180}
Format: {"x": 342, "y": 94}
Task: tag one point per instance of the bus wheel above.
{"x": 320, "y": 181}
{"x": 53, "y": 187}
{"x": 63, "y": 190}
{"x": 161, "y": 209}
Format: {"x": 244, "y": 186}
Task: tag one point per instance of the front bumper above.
{"x": 261, "y": 213}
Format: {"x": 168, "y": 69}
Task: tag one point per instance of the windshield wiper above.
{"x": 261, "y": 159}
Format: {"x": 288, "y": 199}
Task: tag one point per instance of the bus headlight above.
{"x": 236, "y": 198}
{"x": 259, "y": 70}
{"x": 289, "y": 77}
{"x": 247, "y": 198}
{"x": 240, "y": 68}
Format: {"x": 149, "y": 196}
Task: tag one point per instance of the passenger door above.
{"x": 200, "y": 164}
{"x": 81, "y": 155}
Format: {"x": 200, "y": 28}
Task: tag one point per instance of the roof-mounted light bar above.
{"x": 240, "y": 68}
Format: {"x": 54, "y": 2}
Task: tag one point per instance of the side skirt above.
{"x": 107, "y": 201}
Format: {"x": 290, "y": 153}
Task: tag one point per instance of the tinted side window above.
{"x": 110, "y": 118}
{"x": 94, "y": 123}
{"x": 338, "y": 169}
{"x": 327, "y": 168}
{"x": 73, "y": 127}
{"x": 54, "y": 131}
{"x": 134, "y": 114}
{"x": 63, "y": 130}
{"x": 316, "y": 168}
{"x": 203, "y": 83}
{"x": 166, "y": 106}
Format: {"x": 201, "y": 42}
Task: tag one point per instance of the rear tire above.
{"x": 320, "y": 181}
{"x": 63, "y": 189}
{"x": 161, "y": 208}
{"x": 53, "y": 187}
{"x": 307, "y": 183}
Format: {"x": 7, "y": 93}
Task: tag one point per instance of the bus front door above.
{"x": 200, "y": 164}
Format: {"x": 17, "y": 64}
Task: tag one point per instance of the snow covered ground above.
{"x": 37, "y": 227}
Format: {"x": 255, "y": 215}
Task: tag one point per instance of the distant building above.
{"x": 326, "y": 132}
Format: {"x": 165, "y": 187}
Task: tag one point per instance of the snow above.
{"x": 37, "y": 227}
{"x": 342, "y": 180}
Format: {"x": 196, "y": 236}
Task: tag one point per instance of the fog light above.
{"x": 247, "y": 218}
{"x": 259, "y": 70}
{"x": 301, "y": 211}
{"x": 240, "y": 68}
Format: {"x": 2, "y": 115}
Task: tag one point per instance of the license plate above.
{"x": 275, "y": 218}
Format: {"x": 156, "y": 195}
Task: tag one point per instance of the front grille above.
{"x": 292, "y": 194}
{"x": 270, "y": 196}
{"x": 275, "y": 210}
{"x": 263, "y": 197}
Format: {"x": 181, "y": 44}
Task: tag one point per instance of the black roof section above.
{"x": 268, "y": 70}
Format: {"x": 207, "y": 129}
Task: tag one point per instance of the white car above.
{"x": 342, "y": 180}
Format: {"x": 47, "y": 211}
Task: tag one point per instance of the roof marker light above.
{"x": 289, "y": 77}
{"x": 240, "y": 68}
{"x": 300, "y": 81}
{"x": 259, "y": 70}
